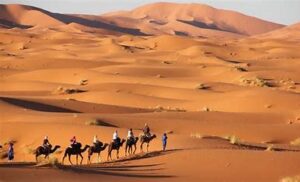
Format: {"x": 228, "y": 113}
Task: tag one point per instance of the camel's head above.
{"x": 136, "y": 138}
{"x": 57, "y": 146}
{"x": 154, "y": 136}
{"x": 122, "y": 141}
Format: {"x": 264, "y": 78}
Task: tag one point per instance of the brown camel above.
{"x": 112, "y": 146}
{"x": 129, "y": 144}
{"x": 75, "y": 150}
{"x": 96, "y": 149}
{"x": 43, "y": 151}
{"x": 147, "y": 140}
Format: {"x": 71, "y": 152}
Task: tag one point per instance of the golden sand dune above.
{"x": 172, "y": 16}
{"x": 175, "y": 19}
{"x": 230, "y": 105}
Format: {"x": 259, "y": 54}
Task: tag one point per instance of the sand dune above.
{"x": 227, "y": 94}
{"x": 173, "y": 16}
{"x": 195, "y": 20}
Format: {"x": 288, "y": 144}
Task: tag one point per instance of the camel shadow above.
{"x": 120, "y": 168}
{"x": 131, "y": 171}
{"x": 37, "y": 106}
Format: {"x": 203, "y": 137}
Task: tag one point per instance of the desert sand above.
{"x": 227, "y": 94}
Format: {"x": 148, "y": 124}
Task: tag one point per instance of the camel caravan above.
{"x": 77, "y": 149}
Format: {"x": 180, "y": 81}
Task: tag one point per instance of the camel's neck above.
{"x": 84, "y": 149}
{"x": 54, "y": 149}
{"x": 136, "y": 139}
{"x": 104, "y": 147}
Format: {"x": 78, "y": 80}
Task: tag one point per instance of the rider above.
{"x": 46, "y": 143}
{"x": 130, "y": 135}
{"x": 116, "y": 138}
{"x": 73, "y": 141}
{"x": 95, "y": 140}
{"x": 146, "y": 130}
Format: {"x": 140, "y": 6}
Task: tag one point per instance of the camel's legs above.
{"x": 147, "y": 146}
{"x": 118, "y": 154}
{"x": 36, "y": 157}
{"x": 63, "y": 158}
{"x": 108, "y": 155}
{"x": 134, "y": 149}
{"x": 69, "y": 156}
{"x": 98, "y": 160}
{"x": 89, "y": 158}
{"x": 81, "y": 158}
{"x": 142, "y": 146}
{"x": 76, "y": 159}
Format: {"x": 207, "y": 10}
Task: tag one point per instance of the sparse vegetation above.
{"x": 63, "y": 90}
{"x": 270, "y": 147}
{"x": 240, "y": 68}
{"x": 83, "y": 82}
{"x": 232, "y": 139}
{"x": 295, "y": 142}
{"x": 52, "y": 161}
{"x": 201, "y": 86}
{"x": 28, "y": 150}
{"x": 196, "y": 135}
{"x": 159, "y": 108}
{"x": 255, "y": 81}
{"x": 291, "y": 179}
{"x": 206, "y": 109}
{"x": 166, "y": 62}
{"x": 98, "y": 122}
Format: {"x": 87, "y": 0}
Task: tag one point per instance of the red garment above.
{"x": 73, "y": 140}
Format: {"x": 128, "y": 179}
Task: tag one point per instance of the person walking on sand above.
{"x": 10, "y": 153}
{"x": 164, "y": 141}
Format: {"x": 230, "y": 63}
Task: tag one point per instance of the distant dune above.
{"x": 195, "y": 20}
{"x": 191, "y": 19}
{"x": 291, "y": 33}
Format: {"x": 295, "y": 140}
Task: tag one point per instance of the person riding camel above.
{"x": 116, "y": 138}
{"x": 146, "y": 130}
{"x": 130, "y": 135}
{"x": 46, "y": 143}
{"x": 73, "y": 141}
{"x": 96, "y": 141}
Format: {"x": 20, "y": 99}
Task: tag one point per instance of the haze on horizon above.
{"x": 279, "y": 11}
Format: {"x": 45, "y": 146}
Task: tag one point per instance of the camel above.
{"x": 129, "y": 144}
{"x": 147, "y": 140}
{"x": 112, "y": 147}
{"x": 42, "y": 151}
{"x": 76, "y": 150}
{"x": 96, "y": 149}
